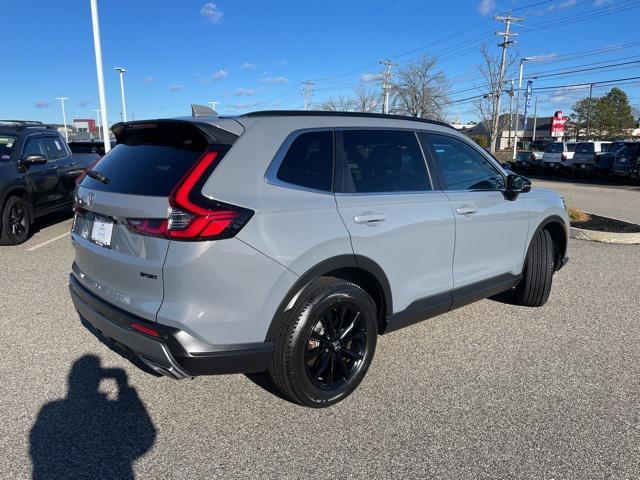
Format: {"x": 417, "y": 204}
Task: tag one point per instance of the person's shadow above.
{"x": 87, "y": 434}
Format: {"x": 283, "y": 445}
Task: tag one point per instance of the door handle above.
{"x": 370, "y": 218}
{"x": 466, "y": 211}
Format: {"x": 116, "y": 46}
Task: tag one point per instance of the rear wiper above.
{"x": 101, "y": 177}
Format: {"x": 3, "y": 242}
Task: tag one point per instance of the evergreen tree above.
{"x": 613, "y": 117}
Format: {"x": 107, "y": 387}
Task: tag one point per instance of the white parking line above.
{"x": 35, "y": 247}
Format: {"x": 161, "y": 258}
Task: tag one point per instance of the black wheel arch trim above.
{"x": 321, "y": 269}
{"x": 565, "y": 229}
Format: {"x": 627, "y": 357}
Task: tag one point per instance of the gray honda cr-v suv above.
{"x": 288, "y": 241}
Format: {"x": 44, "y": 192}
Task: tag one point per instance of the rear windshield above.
{"x": 555, "y": 148}
{"x": 585, "y": 148}
{"x": 6, "y": 146}
{"x": 570, "y": 147}
{"x": 150, "y": 161}
{"x": 538, "y": 146}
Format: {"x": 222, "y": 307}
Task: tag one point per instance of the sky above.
{"x": 254, "y": 54}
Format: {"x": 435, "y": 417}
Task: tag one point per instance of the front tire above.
{"x": 16, "y": 222}
{"x": 535, "y": 286}
{"x": 326, "y": 343}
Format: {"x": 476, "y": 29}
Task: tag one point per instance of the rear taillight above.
{"x": 596, "y": 158}
{"x": 563, "y": 158}
{"x": 193, "y": 216}
{"x": 532, "y": 157}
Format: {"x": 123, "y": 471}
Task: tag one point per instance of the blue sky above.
{"x": 253, "y": 54}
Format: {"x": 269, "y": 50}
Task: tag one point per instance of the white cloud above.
{"x": 175, "y": 88}
{"x": 281, "y": 63}
{"x": 486, "y": 6}
{"x": 242, "y": 106}
{"x": 84, "y": 103}
{"x": 248, "y": 66}
{"x": 219, "y": 75}
{"x": 274, "y": 80}
{"x": 371, "y": 77}
{"x": 246, "y": 92}
{"x": 148, "y": 80}
{"x": 42, "y": 104}
{"x": 211, "y": 13}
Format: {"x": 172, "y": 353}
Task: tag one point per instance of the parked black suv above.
{"x": 37, "y": 176}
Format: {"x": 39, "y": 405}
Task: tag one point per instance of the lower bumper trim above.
{"x": 167, "y": 354}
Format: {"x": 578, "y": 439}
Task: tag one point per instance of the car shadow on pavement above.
{"x": 50, "y": 219}
{"x": 263, "y": 381}
{"x": 87, "y": 434}
{"x": 507, "y": 297}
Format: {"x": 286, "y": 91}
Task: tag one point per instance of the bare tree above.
{"x": 420, "y": 90}
{"x": 487, "y": 106}
{"x": 364, "y": 100}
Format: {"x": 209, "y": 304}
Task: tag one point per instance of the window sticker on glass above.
{"x": 58, "y": 145}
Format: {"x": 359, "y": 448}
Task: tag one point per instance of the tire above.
{"x": 311, "y": 364}
{"x": 535, "y": 286}
{"x": 16, "y": 222}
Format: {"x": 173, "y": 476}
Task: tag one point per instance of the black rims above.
{"x": 336, "y": 346}
{"x": 15, "y": 221}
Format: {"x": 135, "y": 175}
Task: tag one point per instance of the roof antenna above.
{"x": 202, "y": 111}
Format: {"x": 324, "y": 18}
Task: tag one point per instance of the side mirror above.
{"x": 517, "y": 184}
{"x": 34, "y": 160}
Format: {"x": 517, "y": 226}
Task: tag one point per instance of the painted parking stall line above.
{"x": 51, "y": 240}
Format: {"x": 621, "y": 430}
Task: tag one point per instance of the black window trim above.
{"x": 433, "y": 179}
{"x": 271, "y": 175}
{"x": 471, "y": 145}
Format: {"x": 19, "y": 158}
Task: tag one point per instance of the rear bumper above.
{"x": 174, "y": 352}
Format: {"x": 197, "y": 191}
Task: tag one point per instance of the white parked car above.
{"x": 558, "y": 156}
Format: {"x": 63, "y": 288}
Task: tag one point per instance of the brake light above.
{"x": 596, "y": 158}
{"x": 563, "y": 158}
{"x": 147, "y": 330}
{"x": 192, "y": 216}
{"x": 532, "y": 157}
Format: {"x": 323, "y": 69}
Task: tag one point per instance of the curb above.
{"x": 605, "y": 237}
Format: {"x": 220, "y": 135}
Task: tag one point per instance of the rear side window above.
{"x": 6, "y": 146}
{"x": 149, "y": 161}
{"x": 379, "y": 161}
{"x": 585, "y": 148}
{"x": 309, "y": 161}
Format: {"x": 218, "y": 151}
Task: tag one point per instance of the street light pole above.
{"x": 97, "y": 110}
{"x": 98, "y": 50}
{"x": 122, "y": 71}
{"x": 515, "y": 143}
{"x": 64, "y": 117}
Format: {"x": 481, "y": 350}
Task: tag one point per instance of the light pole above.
{"x": 98, "y": 49}
{"x": 64, "y": 117}
{"x": 515, "y": 143}
{"x": 97, "y": 110}
{"x": 213, "y": 105}
{"x": 122, "y": 71}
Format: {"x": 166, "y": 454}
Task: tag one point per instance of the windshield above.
{"x": 6, "y": 146}
{"x": 584, "y": 148}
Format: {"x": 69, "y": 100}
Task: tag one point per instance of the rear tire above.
{"x": 326, "y": 343}
{"x": 535, "y": 286}
{"x": 16, "y": 222}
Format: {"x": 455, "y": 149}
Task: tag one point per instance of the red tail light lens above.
{"x": 193, "y": 216}
{"x": 596, "y": 158}
{"x": 532, "y": 157}
{"x": 563, "y": 157}
{"x": 147, "y": 330}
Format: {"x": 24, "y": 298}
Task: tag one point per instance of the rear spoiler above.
{"x": 212, "y": 133}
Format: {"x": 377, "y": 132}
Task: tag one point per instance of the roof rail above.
{"x": 324, "y": 113}
{"x": 22, "y": 124}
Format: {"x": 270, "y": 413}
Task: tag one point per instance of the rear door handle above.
{"x": 466, "y": 211}
{"x": 370, "y": 218}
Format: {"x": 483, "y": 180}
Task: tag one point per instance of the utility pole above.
{"x": 510, "y": 112}
{"x": 213, "y": 105}
{"x": 386, "y": 84}
{"x": 308, "y": 93}
{"x": 535, "y": 119}
{"x": 515, "y": 144}
{"x": 506, "y": 43}
{"x": 98, "y": 49}
{"x": 97, "y": 110}
{"x": 589, "y": 110}
{"x": 122, "y": 71}
{"x": 64, "y": 117}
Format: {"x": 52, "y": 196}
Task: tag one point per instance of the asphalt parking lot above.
{"x": 488, "y": 391}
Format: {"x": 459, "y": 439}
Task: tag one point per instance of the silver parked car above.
{"x": 288, "y": 241}
{"x": 558, "y": 156}
{"x": 587, "y": 156}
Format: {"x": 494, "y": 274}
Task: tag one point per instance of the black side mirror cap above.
{"x": 517, "y": 184}
{"x": 34, "y": 160}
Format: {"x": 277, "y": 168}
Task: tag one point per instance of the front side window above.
{"x": 463, "y": 167}
{"x": 35, "y": 146}
{"x": 381, "y": 161}
{"x": 54, "y": 148}
{"x": 309, "y": 161}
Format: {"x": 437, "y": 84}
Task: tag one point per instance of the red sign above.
{"x": 557, "y": 124}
